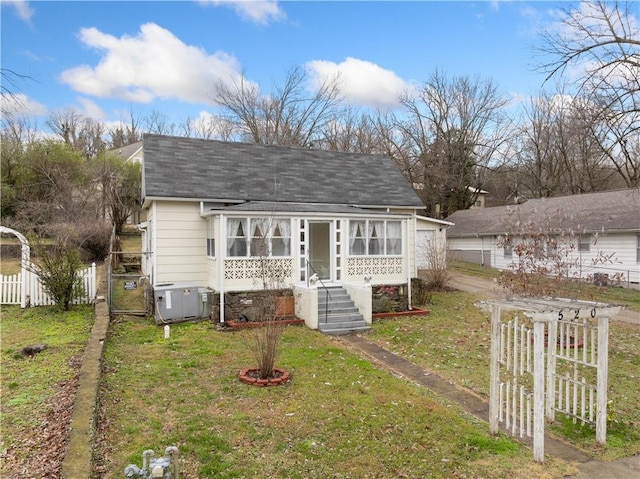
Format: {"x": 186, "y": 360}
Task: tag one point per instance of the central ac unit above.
{"x": 178, "y": 301}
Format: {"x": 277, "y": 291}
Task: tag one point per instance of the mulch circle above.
{"x": 252, "y": 376}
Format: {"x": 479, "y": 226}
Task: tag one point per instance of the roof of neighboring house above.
{"x": 222, "y": 171}
{"x": 128, "y": 151}
{"x": 605, "y": 211}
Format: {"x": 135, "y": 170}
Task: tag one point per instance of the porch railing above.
{"x": 326, "y": 290}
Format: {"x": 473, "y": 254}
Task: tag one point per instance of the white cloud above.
{"x": 256, "y": 11}
{"x": 21, "y": 105}
{"x": 362, "y": 82}
{"x": 90, "y": 109}
{"x": 153, "y": 64}
{"x": 22, "y": 9}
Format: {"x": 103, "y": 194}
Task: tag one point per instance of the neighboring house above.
{"x": 604, "y": 223}
{"x": 217, "y": 211}
{"x": 481, "y": 197}
{"x": 132, "y": 152}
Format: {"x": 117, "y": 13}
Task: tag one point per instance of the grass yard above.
{"x": 34, "y": 387}
{"x": 339, "y": 417}
{"x": 9, "y": 266}
{"x": 455, "y": 340}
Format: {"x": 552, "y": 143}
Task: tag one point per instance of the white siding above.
{"x": 180, "y": 246}
{"x": 620, "y": 248}
{"x": 476, "y": 250}
{"x": 429, "y": 235}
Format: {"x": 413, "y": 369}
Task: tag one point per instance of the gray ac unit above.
{"x": 178, "y": 301}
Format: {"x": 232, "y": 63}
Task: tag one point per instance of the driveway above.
{"x": 492, "y": 290}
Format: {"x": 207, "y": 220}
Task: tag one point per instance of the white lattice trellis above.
{"x": 568, "y": 343}
{"x": 358, "y": 266}
{"x": 257, "y": 268}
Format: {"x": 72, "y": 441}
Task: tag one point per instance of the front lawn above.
{"x": 455, "y": 341}
{"x": 339, "y": 417}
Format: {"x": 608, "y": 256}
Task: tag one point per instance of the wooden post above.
{"x": 538, "y": 390}
{"x": 494, "y": 389}
{"x": 552, "y": 347}
{"x": 603, "y": 365}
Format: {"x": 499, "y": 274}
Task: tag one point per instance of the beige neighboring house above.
{"x": 132, "y": 152}
{"x": 331, "y": 222}
{"x": 481, "y": 197}
{"x": 604, "y": 223}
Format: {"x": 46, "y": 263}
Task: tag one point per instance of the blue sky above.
{"x": 106, "y": 59}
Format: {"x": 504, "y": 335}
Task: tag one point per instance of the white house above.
{"x": 594, "y": 225}
{"x": 218, "y": 211}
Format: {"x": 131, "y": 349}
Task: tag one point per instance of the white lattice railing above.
{"x": 377, "y": 266}
{"x": 258, "y": 268}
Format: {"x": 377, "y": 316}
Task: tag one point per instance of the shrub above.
{"x": 57, "y": 267}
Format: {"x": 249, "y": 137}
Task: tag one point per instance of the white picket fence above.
{"x": 25, "y": 288}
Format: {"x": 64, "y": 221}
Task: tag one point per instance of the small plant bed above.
{"x": 411, "y": 312}
{"x": 252, "y": 377}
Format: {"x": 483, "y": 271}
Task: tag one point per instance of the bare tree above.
{"x": 208, "y": 127}
{"x": 127, "y": 132}
{"x": 352, "y": 131}
{"x": 448, "y": 132}
{"x": 288, "y": 117}
{"x": 602, "y": 40}
{"x": 9, "y": 92}
{"x": 83, "y": 134}
{"x": 558, "y": 150}
{"x": 158, "y": 123}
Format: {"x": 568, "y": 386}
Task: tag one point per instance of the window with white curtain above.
{"x": 237, "y": 237}
{"x": 357, "y": 237}
{"x": 375, "y": 238}
{"x": 281, "y": 237}
{"x": 259, "y": 241}
{"x": 394, "y": 238}
{"x": 258, "y": 237}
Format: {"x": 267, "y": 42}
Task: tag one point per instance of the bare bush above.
{"x": 546, "y": 257}
{"x": 436, "y": 276}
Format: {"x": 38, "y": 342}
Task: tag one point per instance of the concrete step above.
{"x": 337, "y": 314}
{"x": 342, "y": 328}
{"x": 340, "y": 317}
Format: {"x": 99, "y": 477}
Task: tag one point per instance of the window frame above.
{"x": 210, "y": 240}
{"x": 584, "y": 247}
{"x": 268, "y": 226}
{"x": 381, "y": 239}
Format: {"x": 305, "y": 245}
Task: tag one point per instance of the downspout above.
{"x": 154, "y": 238}
{"x": 408, "y": 256}
{"x": 223, "y": 248}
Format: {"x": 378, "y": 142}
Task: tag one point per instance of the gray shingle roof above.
{"x": 128, "y": 150}
{"x": 605, "y": 211}
{"x": 205, "y": 169}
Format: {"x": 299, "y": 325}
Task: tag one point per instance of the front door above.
{"x": 320, "y": 249}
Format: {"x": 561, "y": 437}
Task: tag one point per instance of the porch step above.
{"x": 338, "y": 315}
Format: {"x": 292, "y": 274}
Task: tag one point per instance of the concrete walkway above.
{"x": 628, "y": 468}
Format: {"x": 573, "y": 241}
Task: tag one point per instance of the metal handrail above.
{"x": 327, "y": 296}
